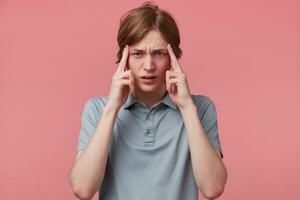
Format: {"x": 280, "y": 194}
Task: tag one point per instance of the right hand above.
{"x": 122, "y": 83}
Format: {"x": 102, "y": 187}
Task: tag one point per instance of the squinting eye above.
{"x": 159, "y": 54}
{"x": 137, "y": 55}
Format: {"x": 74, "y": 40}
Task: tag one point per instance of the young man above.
{"x": 150, "y": 138}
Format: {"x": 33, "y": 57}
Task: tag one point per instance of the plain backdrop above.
{"x": 244, "y": 55}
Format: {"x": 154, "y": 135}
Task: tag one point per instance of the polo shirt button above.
{"x": 148, "y": 132}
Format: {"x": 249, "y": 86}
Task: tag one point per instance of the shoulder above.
{"x": 201, "y": 100}
{"x": 203, "y": 104}
{"x": 95, "y": 105}
{"x": 98, "y": 101}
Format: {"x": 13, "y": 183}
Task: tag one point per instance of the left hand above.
{"x": 176, "y": 82}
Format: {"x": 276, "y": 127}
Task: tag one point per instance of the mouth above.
{"x": 149, "y": 79}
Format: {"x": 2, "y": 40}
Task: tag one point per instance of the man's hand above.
{"x": 122, "y": 83}
{"x": 176, "y": 82}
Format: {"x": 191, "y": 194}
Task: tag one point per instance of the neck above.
{"x": 149, "y": 99}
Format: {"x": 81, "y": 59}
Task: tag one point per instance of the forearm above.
{"x": 89, "y": 169}
{"x": 209, "y": 171}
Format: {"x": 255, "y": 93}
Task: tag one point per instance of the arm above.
{"x": 209, "y": 171}
{"x": 89, "y": 168}
{"x": 88, "y": 171}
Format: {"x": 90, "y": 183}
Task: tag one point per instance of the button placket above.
{"x": 148, "y": 131}
{"x": 147, "y": 117}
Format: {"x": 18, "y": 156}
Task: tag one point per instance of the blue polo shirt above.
{"x": 149, "y": 156}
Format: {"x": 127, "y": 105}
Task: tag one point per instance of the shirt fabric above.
{"x": 149, "y": 156}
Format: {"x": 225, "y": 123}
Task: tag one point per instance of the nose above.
{"x": 148, "y": 62}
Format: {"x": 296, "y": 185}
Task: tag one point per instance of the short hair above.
{"x": 136, "y": 23}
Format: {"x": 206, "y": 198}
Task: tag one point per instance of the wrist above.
{"x": 188, "y": 105}
{"x": 110, "y": 109}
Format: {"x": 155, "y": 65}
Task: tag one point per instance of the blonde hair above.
{"x": 136, "y": 23}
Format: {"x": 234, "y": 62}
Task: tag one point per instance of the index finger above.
{"x": 174, "y": 62}
{"x": 123, "y": 62}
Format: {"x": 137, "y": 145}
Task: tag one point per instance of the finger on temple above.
{"x": 174, "y": 62}
{"x": 123, "y": 62}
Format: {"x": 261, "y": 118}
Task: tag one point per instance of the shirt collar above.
{"x": 131, "y": 100}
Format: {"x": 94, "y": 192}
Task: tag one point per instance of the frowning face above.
{"x": 149, "y": 60}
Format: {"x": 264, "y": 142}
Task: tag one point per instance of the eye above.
{"x": 159, "y": 54}
{"x": 137, "y": 54}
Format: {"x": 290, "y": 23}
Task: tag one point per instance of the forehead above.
{"x": 151, "y": 41}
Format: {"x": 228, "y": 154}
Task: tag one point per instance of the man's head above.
{"x": 147, "y": 30}
{"x": 136, "y": 23}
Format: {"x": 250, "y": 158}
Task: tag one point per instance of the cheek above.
{"x": 129, "y": 62}
{"x": 165, "y": 66}
{"x": 132, "y": 64}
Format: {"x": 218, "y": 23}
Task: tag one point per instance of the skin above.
{"x": 169, "y": 75}
{"x": 89, "y": 168}
{"x": 149, "y": 57}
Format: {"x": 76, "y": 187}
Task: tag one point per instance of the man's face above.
{"x": 149, "y": 60}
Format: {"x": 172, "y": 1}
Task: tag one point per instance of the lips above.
{"x": 149, "y": 77}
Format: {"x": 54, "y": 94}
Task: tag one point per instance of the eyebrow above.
{"x": 155, "y": 50}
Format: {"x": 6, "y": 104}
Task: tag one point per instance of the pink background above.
{"x": 245, "y": 55}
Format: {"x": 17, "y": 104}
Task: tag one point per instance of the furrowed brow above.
{"x": 154, "y": 50}
{"x": 159, "y": 50}
{"x": 136, "y": 49}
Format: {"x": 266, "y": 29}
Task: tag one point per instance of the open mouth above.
{"x": 149, "y": 79}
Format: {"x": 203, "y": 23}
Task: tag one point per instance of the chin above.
{"x": 149, "y": 88}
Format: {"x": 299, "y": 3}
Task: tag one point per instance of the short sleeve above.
{"x": 88, "y": 124}
{"x": 209, "y": 122}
